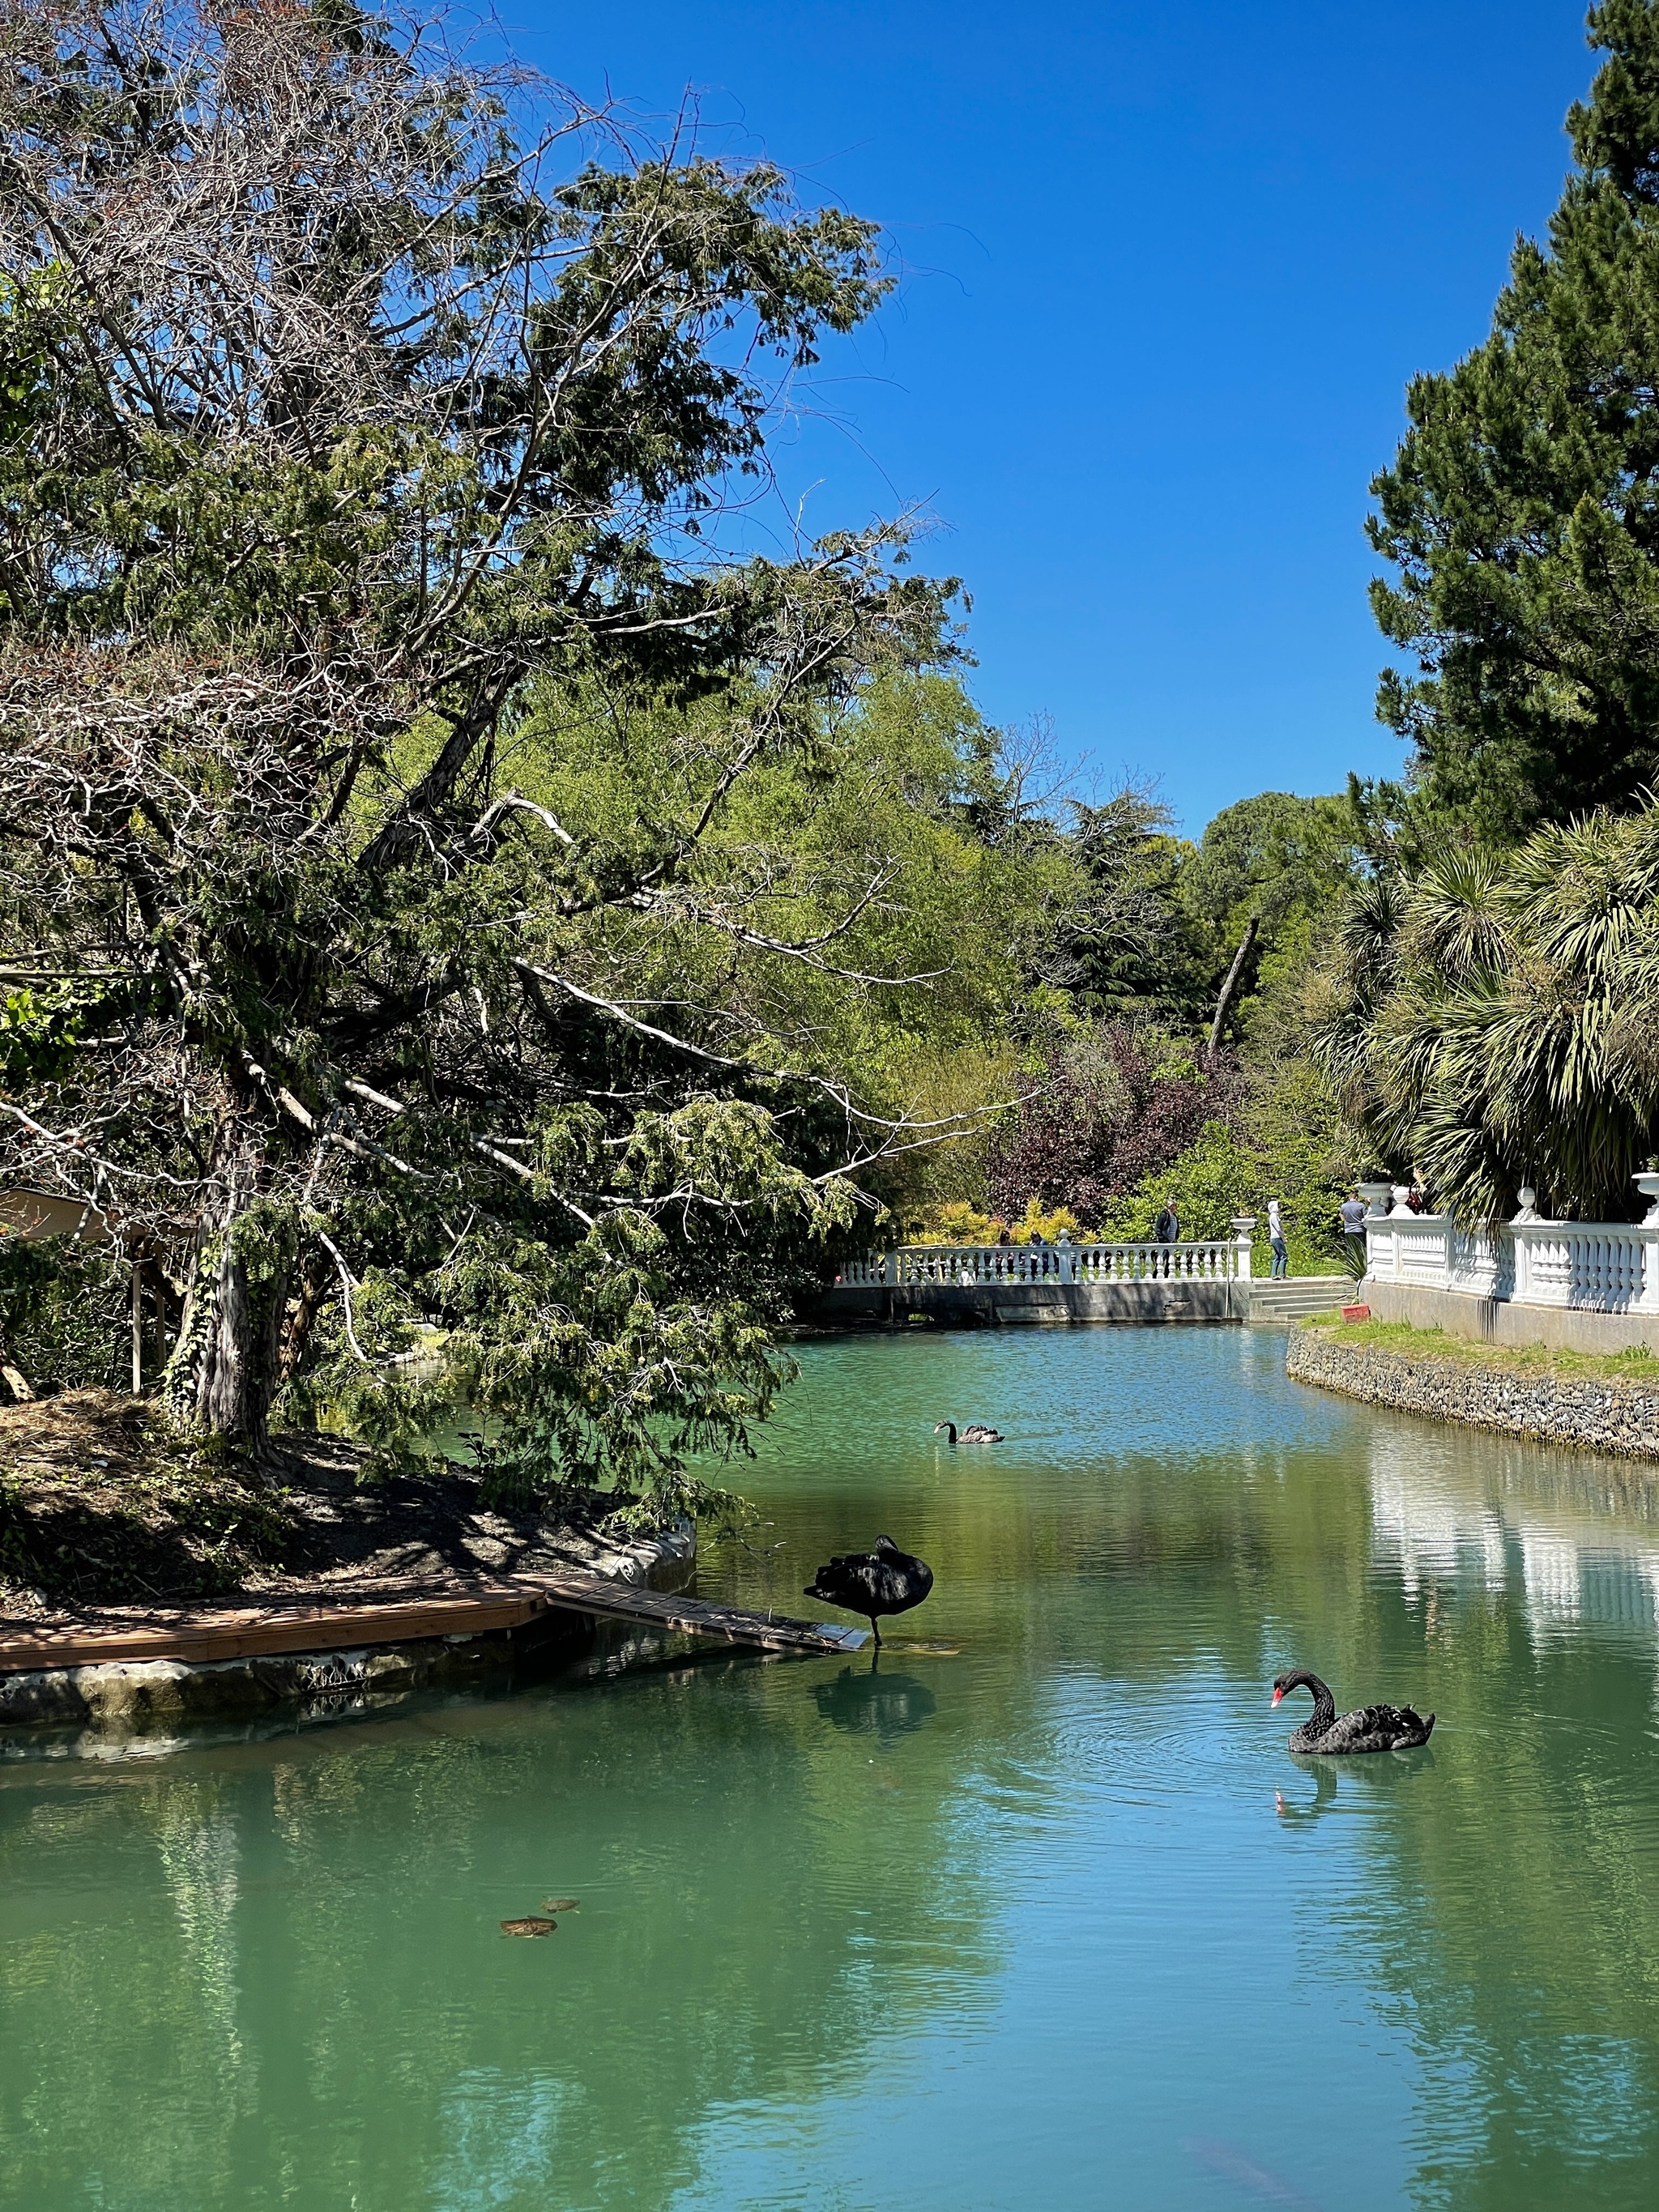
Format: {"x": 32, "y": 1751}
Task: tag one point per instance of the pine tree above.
{"x": 1522, "y": 509}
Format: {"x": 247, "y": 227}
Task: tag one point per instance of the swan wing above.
{"x": 1375, "y": 1727}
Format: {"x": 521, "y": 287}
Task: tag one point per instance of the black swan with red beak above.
{"x": 1373, "y": 1728}
{"x": 883, "y": 1581}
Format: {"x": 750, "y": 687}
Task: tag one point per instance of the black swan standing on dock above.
{"x": 974, "y": 1433}
{"x": 886, "y": 1580}
{"x": 1373, "y": 1728}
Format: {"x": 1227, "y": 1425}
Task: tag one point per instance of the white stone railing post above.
{"x": 1520, "y": 1244}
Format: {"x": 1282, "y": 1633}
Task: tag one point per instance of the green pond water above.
{"x": 1047, "y": 1916}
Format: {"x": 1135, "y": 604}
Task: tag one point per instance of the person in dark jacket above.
{"x": 1167, "y": 1232}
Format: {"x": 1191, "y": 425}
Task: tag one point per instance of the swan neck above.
{"x": 1324, "y": 1712}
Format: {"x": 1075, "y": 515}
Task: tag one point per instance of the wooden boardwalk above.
{"x": 396, "y": 1612}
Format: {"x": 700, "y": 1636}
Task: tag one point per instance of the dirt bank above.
{"x": 101, "y": 1505}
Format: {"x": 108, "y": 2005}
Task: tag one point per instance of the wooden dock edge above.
{"x": 205, "y": 1636}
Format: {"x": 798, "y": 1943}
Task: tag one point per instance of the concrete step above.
{"x": 1295, "y": 1298}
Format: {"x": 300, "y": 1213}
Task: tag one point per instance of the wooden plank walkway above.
{"x": 398, "y": 1614}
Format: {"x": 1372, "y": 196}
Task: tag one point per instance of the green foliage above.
{"x": 1520, "y": 510}
{"x": 1206, "y": 1184}
{"x": 1285, "y": 863}
{"x": 1127, "y": 945}
{"x": 39, "y": 1032}
{"x": 1493, "y": 1019}
{"x": 504, "y": 923}
{"x": 1153, "y": 921}
{"x": 63, "y": 1313}
{"x": 863, "y": 841}
{"x": 1126, "y": 1113}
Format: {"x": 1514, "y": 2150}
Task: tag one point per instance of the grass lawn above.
{"x": 1637, "y": 1365}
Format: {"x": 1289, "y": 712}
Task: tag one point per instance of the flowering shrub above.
{"x": 959, "y": 1223}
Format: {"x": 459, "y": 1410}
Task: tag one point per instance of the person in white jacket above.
{"x": 1276, "y": 1238}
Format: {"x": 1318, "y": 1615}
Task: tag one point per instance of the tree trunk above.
{"x": 317, "y": 1279}
{"x": 1245, "y": 943}
{"x": 224, "y": 1368}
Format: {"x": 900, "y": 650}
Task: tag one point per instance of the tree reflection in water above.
{"x": 271, "y": 1973}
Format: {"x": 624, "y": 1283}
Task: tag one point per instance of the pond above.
{"x": 1040, "y": 1912}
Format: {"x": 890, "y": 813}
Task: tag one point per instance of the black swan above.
{"x": 974, "y": 1433}
{"x": 1373, "y": 1728}
{"x": 886, "y": 1580}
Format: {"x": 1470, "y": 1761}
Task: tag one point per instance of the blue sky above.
{"x": 1166, "y": 271}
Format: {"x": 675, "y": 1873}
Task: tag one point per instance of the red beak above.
{"x": 1277, "y": 1694}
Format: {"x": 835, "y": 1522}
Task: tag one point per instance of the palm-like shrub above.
{"x": 1494, "y": 1020}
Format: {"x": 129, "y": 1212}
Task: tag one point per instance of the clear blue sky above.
{"x": 1166, "y": 271}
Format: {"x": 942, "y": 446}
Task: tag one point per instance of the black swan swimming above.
{"x": 974, "y": 1433}
{"x": 1373, "y": 1728}
{"x": 886, "y": 1580}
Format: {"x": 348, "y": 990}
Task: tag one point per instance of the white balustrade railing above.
{"x": 1594, "y": 1266}
{"x": 1223, "y": 1259}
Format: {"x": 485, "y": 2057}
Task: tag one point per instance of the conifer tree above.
{"x": 349, "y": 393}
{"x": 1521, "y": 511}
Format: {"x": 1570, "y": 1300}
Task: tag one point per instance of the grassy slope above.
{"x": 1637, "y": 1365}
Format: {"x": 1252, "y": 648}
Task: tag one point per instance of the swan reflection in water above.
{"x": 1364, "y": 1785}
{"x": 886, "y": 1705}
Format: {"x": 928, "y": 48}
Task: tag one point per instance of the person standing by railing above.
{"x": 1351, "y": 1214}
{"x": 1166, "y": 1235}
{"x": 1276, "y": 1238}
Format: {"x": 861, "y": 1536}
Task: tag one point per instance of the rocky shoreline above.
{"x": 1584, "y": 1412}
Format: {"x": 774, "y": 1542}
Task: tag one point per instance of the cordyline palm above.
{"x": 1494, "y": 1021}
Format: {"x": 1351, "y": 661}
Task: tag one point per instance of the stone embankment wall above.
{"x": 1592, "y": 1415}
{"x": 142, "y": 1694}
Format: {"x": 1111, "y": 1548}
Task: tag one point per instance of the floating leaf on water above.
{"x": 559, "y": 1904}
{"x": 529, "y": 1927}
